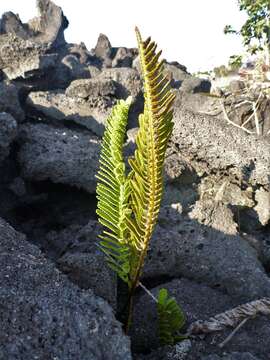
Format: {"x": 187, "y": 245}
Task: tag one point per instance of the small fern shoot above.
{"x": 171, "y": 319}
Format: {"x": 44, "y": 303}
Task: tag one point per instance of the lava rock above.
{"x": 230, "y": 152}
{"x": 201, "y": 103}
{"x": 124, "y": 57}
{"x": 86, "y": 102}
{"x": 43, "y": 314}
{"x": 24, "y": 58}
{"x": 197, "y": 301}
{"x": 103, "y": 50}
{"x": 62, "y": 155}
{"x": 8, "y": 132}
{"x": 29, "y": 50}
{"x": 176, "y": 72}
{"x": 215, "y": 215}
{"x": 178, "y": 351}
{"x": 237, "y": 86}
{"x": 194, "y": 85}
{"x": 9, "y": 101}
{"x": 76, "y": 253}
{"x": 91, "y": 88}
{"x": 128, "y": 80}
{"x": 186, "y": 248}
{"x": 231, "y": 356}
{"x": 75, "y": 70}
{"x": 262, "y": 208}
{"x": 48, "y": 27}
{"x": 129, "y": 83}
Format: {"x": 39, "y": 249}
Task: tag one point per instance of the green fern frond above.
{"x": 171, "y": 319}
{"x": 128, "y": 206}
{"x": 113, "y": 191}
{"x": 155, "y": 127}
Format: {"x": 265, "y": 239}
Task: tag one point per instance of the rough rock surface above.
{"x": 43, "y": 315}
{"x": 262, "y": 198}
{"x": 195, "y": 85}
{"x": 59, "y": 154}
{"x": 178, "y": 351}
{"x": 205, "y": 303}
{"x": 85, "y": 102}
{"x": 79, "y": 257}
{"x": 232, "y": 356}
{"x": 88, "y": 102}
{"x": 230, "y": 149}
{"x": 205, "y": 254}
{"x": 124, "y": 57}
{"x": 128, "y": 81}
{"x": 9, "y": 101}
{"x": 199, "y": 303}
{"x": 103, "y": 49}
{"x": 8, "y": 132}
{"x": 24, "y": 47}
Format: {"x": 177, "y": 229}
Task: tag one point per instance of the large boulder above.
{"x": 62, "y": 155}
{"x": 44, "y": 316}
{"x": 86, "y": 102}
{"x": 195, "y": 85}
{"x": 230, "y": 151}
{"x": 212, "y": 253}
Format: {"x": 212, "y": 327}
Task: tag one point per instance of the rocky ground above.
{"x": 211, "y": 247}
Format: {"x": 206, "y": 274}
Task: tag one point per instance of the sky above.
{"x": 188, "y": 31}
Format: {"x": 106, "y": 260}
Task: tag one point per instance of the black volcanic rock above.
{"x": 44, "y": 316}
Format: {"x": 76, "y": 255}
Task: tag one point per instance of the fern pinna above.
{"x": 128, "y": 205}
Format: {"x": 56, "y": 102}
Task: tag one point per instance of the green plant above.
{"x": 171, "y": 319}
{"x": 128, "y": 205}
{"x": 256, "y": 30}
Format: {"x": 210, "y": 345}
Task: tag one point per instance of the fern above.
{"x": 171, "y": 319}
{"x": 128, "y": 206}
{"x": 155, "y": 127}
{"x": 113, "y": 192}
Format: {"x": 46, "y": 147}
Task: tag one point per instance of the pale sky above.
{"x": 188, "y": 31}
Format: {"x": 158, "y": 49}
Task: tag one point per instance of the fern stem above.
{"x": 148, "y": 292}
{"x": 130, "y": 310}
{"x": 134, "y": 285}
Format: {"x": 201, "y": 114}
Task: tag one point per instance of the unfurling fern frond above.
{"x": 147, "y": 165}
{"x": 171, "y": 319}
{"x": 113, "y": 192}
